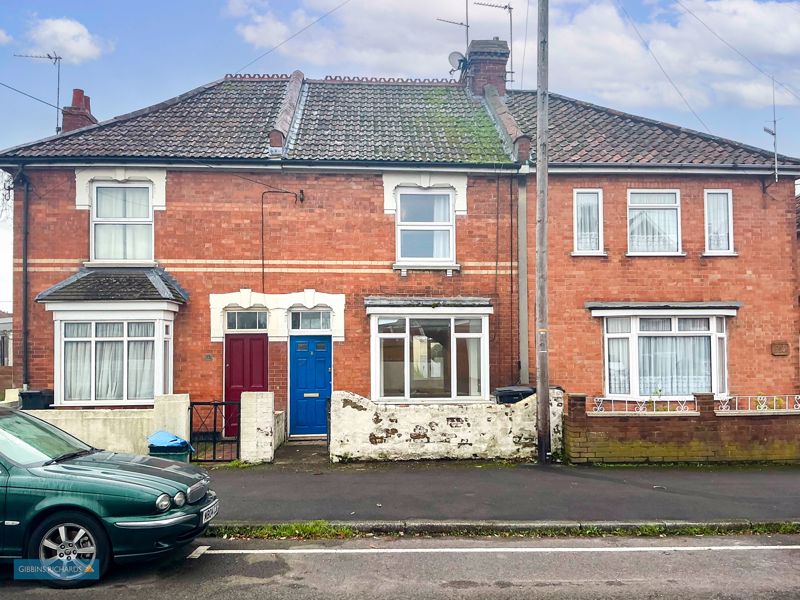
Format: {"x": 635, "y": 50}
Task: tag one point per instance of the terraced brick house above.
{"x": 294, "y": 235}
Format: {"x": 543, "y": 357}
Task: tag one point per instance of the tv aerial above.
{"x": 56, "y": 60}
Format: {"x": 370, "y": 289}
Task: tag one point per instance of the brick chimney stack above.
{"x": 79, "y": 114}
{"x": 486, "y": 64}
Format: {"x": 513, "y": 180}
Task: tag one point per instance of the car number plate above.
{"x": 210, "y": 512}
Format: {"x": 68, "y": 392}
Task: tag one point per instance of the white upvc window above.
{"x": 588, "y": 221}
{"x": 430, "y": 357}
{"x": 245, "y": 321}
{"x": 312, "y": 321}
{"x": 115, "y": 362}
{"x": 425, "y": 227}
{"x": 719, "y": 221}
{"x": 665, "y": 356}
{"x": 654, "y": 222}
{"x": 122, "y": 223}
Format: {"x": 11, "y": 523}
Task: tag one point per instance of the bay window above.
{"x": 654, "y": 222}
{"x": 425, "y": 227}
{"x": 430, "y": 357}
{"x": 115, "y": 362}
{"x": 664, "y": 355}
{"x": 122, "y": 223}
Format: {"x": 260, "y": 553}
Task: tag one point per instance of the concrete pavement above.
{"x": 467, "y": 491}
{"x": 485, "y": 568}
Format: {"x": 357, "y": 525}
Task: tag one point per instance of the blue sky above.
{"x": 128, "y": 55}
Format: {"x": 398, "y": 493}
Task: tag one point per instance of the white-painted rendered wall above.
{"x": 365, "y": 430}
{"x": 124, "y": 429}
{"x": 261, "y": 429}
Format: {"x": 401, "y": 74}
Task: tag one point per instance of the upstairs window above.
{"x": 654, "y": 223}
{"x": 719, "y": 222}
{"x": 588, "y": 221}
{"x": 122, "y": 224}
{"x": 425, "y": 227}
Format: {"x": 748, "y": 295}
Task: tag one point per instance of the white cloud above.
{"x": 70, "y": 38}
{"x": 594, "y": 49}
{"x": 4, "y": 38}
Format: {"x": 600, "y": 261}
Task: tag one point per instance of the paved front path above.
{"x": 482, "y": 491}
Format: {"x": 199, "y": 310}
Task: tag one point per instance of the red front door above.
{"x": 245, "y": 371}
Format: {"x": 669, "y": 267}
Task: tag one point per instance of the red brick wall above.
{"x": 762, "y": 277}
{"x": 703, "y": 437}
{"x": 216, "y": 216}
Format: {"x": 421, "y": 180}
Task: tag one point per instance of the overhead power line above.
{"x": 295, "y": 34}
{"x": 737, "y": 51}
{"x": 660, "y": 66}
{"x": 13, "y": 89}
{"x": 525, "y": 43}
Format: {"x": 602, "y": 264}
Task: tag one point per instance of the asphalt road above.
{"x": 464, "y": 491}
{"x": 485, "y": 568}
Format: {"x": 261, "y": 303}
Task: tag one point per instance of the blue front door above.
{"x": 310, "y": 384}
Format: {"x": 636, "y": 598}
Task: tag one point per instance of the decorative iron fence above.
{"x": 760, "y": 403}
{"x": 647, "y": 406}
{"x": 214, "y": 431}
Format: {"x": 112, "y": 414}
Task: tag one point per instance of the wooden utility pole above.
{"x": 542, "y": 123}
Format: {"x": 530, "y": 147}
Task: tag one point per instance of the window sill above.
{"x": 719, "y": 254}
{"x": 425, "y": 402}
{"x": 657, "y": 254}
{"x": 405, "y": 267}
{"x": 120, "y": 263}
{"x": 595, "y": 254}
{"x": 105, "y": 404}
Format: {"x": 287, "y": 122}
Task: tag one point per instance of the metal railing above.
{"x": 214, "y": 430}
{"x": 647, "y": 406}
{"x": 759, "y": 403}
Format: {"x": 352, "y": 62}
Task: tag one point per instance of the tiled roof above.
{"x": 123, "y": 283}
{"x": 584, "y": 133}
{"x": 380, "y": 120}
{"x": 227, "y": 119}
{"x": 4, "y": 314}
{"x": 394, "y": 122}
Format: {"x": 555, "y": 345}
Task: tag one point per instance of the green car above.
{"x": 65, "y": 503}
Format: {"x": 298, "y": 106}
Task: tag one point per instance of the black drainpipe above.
{"x": 25, "y": 282}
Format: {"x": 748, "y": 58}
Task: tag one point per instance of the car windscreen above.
{"x": 28, "y": 441}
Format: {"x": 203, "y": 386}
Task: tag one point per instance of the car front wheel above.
{"x": 73, "y": 549}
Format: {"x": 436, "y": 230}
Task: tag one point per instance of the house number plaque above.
{"x": 779, "y": 348}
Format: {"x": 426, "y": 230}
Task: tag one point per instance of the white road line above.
{"x": 199, "y": 551}
{"x": 512, "y": 550}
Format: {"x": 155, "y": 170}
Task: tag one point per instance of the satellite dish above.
{"x": 456, "y": 59}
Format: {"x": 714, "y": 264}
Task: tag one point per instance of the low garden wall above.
{"x": 122, "y": 429}
{"x": 710, "y": 432}
{"x": 364, "y": 430}
{"x": 261, "y": 429}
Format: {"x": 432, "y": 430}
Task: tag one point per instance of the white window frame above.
{"x": 731, "y": 250}
{"x": 600, "y": 242}
{"x": 454, "y": 398}
{"x": 305, "y": 331}
{"x": 717, "y": 387}
{"x": 429, "y": 226}
{"x": 234, "y": 331}
{"x": 676, "y": 207}
{"x": 95, "y": 220}
{"x": 158, "y": 340}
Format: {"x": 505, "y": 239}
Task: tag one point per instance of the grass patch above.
{"x": 234, "y": 464}
{"x": 324, "y": 530}
{"x": 304, "y": 530}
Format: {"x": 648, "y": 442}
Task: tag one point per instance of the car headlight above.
{"x": 179, "y": 499}
{"x": 163, "y": 502}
